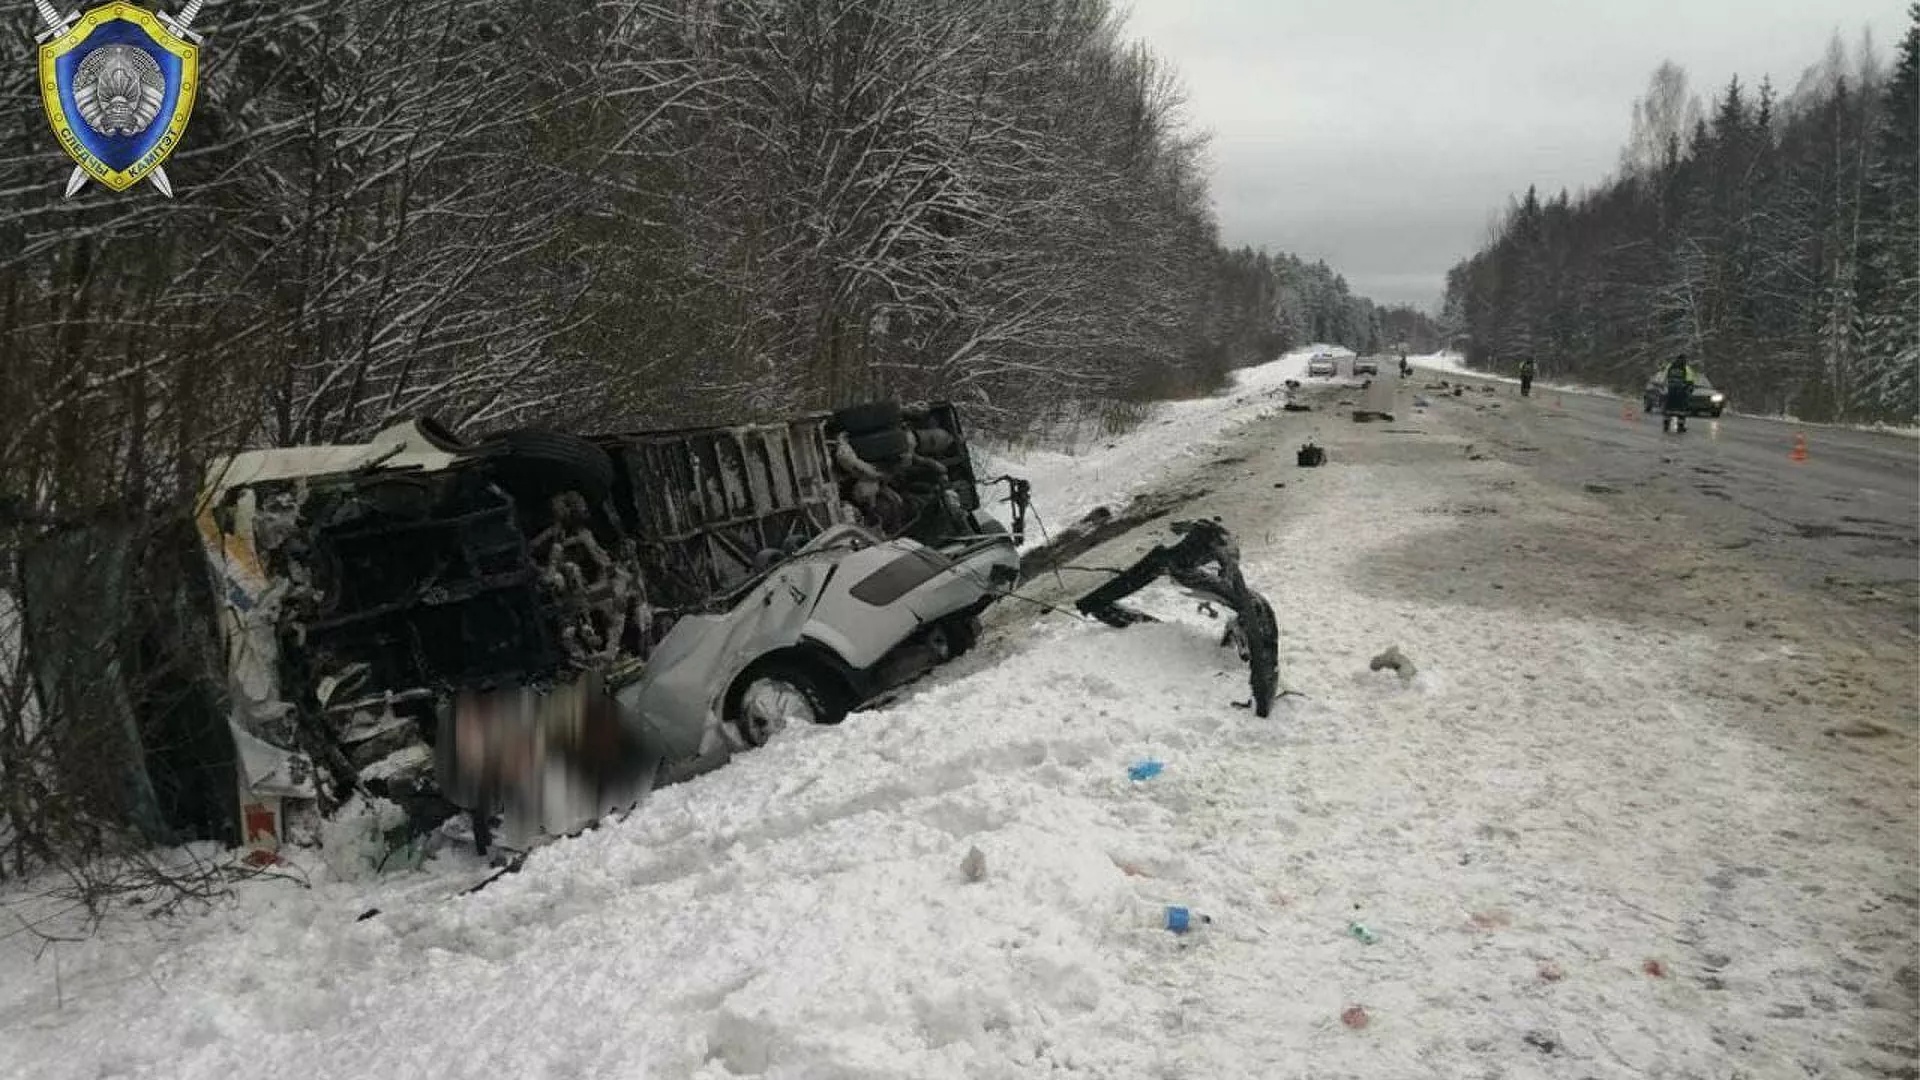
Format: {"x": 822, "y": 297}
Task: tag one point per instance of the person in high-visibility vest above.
{"x": 1680, "y": 382}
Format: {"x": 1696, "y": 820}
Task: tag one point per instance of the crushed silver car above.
{"x": 535, "y": 626}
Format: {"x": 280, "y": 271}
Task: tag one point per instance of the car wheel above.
{"x": 872, "y": 416}
{"x": 545, "y": 462}
{"x": 962, "y": 633}
{"x": 782, "y": 693}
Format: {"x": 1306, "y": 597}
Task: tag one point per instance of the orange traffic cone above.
{"x": 1799, "y": 451}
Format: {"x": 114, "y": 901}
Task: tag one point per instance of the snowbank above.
{"x": 1872, "y": 429}
{"x": 1068, "y": 485}
{"x": 1456, "y": 363}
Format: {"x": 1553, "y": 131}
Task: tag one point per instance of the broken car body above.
{"x": 1205, "y": 561}
{"x": 537, "y": 623}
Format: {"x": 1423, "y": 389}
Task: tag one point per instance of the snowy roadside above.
{"x": 1453, "y": 363}
{"x": 1173, "y": 436}
{"x": 1554, "y": 849}
{"x": 1456, "y": 364}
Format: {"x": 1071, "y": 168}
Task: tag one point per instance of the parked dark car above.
{"x": 1706, "y": 401}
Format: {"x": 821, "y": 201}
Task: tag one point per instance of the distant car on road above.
{"x": 1706, "y": 400}
{"x": 1366, "y": 365}
{"x": 1322, "y": 364}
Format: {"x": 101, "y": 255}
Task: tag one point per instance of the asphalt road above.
{"x": 1846, "y": 521}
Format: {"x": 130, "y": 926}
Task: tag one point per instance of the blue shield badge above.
{"x": 119, "y": 84}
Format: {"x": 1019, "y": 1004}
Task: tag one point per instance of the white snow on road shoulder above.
{"x": 1068, "y": 485}
{"x": 1454, "y": 363}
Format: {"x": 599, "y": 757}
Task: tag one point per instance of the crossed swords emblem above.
{"x": 179, "y": 25}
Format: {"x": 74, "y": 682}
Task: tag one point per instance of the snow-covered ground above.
{"x": 1523, "y": 830}
{"x": 1067, "y": 485}
{"x": 1456, "y": 363}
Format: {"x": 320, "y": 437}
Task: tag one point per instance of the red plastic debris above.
{"x": 1655, "y": 968}
{"x": 260, "y": 858}
{"x": 1355, "y": 1017}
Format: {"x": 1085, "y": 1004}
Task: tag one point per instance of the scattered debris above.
{"x": 1102, "y": 524}
{"x": 1180, "y": 920}
{"x": 1205, "y": 561}
{"x": 1397, "y": 660}
{"x": 973, "y": 868}
{"x": 1355, "y": 1017}
{"x": 1364, "y": 416}
{"x": 1458, "y": 391}
{"x": 1421, "y": 402}
{"x": 1132, "y": 869}
{"x": 1295, "y": 406}
{"x": 1494, "y": 919}
{"x": 1362, "y": 933}
{"x": 1862, "y": 729}
{"x": 1145, "y": 770}
{"x": 1310, "y": 456}
{"x": 1601, "y": 489}
{"x": 1655, "y": 968}
{"x": 1541, "y": 1041}
{"x": 1550, "y": 972}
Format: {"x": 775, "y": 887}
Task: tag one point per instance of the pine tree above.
{"x": 1773, "y": 240}
{"x": 1889, "y": 279}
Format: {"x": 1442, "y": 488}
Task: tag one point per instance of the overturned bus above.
{"x": 536, "y": 627}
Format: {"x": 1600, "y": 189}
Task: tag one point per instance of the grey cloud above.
{"x": 1381, "y": 136}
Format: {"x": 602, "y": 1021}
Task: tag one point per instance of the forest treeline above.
{"x": 1771, "y": 237}
{"x": 1275, "y": 302}
{"x": 619, "y": 214}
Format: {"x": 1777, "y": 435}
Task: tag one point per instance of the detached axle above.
{"x": 1205, "y": 560}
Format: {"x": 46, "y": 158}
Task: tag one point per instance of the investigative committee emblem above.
{"x": 119, "y": 84}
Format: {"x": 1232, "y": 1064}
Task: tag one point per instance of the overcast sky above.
{"x": 1381, "y": 135}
